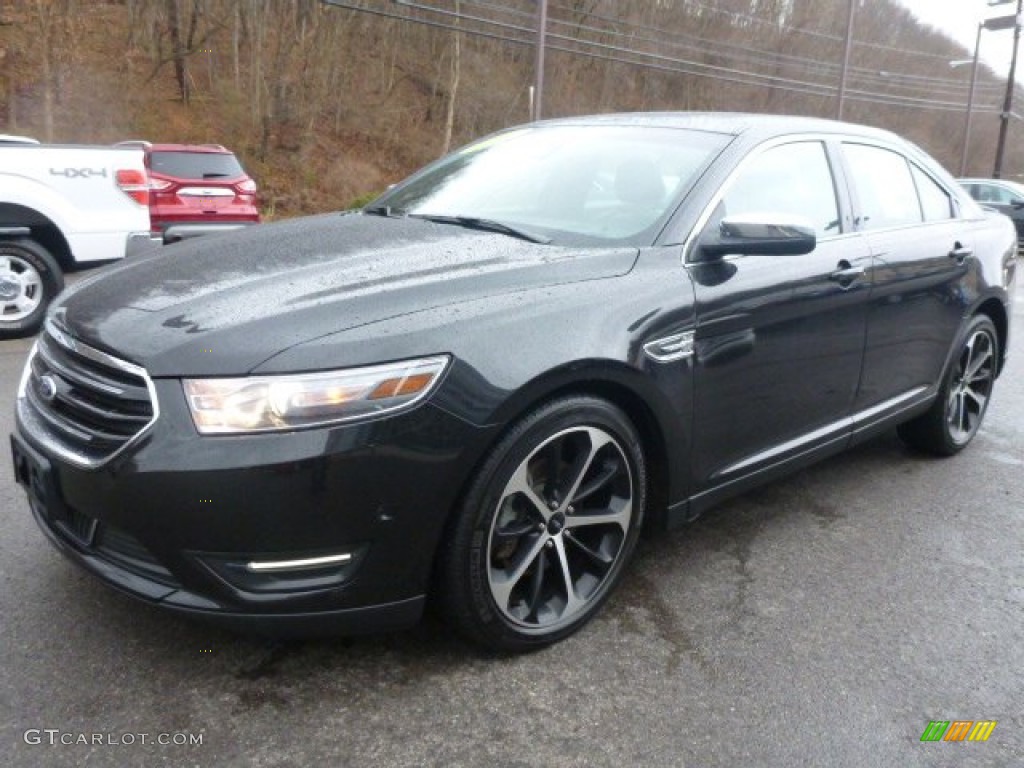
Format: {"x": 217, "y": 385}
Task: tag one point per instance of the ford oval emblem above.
{"x": 47, "y": 387}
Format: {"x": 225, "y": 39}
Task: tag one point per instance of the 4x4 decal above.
{"x": 77, "y": 173}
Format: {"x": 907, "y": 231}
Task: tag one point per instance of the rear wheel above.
{"x": 547, "y": 527}
{"x": 956, "y": 415}
{"x": 29, "y": 281}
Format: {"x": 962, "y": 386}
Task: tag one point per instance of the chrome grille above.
{"x": 83, "y": 403}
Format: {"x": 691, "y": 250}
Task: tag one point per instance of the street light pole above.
{"x": 970, "y": 103}
{"x": 1004, "y": 118}
{"x": 846, "y": 58}
{"x": 542, "y": 23}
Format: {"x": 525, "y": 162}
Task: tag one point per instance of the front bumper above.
{"x": 179, "y": 520}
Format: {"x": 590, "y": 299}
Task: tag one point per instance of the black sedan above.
{"x": 484, "y": 385}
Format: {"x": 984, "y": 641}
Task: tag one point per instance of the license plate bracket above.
{"x": 35, "y": 474}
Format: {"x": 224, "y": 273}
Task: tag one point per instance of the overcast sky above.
{"x": 959, "y": 19}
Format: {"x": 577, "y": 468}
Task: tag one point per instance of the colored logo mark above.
{"x": 958, "y": 730}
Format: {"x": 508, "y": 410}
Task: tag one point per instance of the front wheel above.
{"x": 547, "y": 526}
{"x": 29, "y": 280}
{"x": 956, "y": 415}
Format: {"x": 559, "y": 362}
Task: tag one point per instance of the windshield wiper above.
{"x": 214, "y": 175}
{"x": 488, "y": 225}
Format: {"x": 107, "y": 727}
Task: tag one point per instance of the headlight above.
{"x": 271, "y": 403}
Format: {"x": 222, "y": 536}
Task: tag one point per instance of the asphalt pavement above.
{"x": 823, "y": 620}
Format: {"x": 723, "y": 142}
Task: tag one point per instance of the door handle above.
{"x": 960, "y": 253}
{"x": 846, "y": 273}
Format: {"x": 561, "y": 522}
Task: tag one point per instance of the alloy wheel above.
{"x": 971, "y": 387}
{"x": 559, "y": 528}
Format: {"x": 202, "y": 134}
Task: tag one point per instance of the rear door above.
{"x": 921, "y": 252}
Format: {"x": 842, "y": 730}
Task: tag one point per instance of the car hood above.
{"x": 223, "y": 304}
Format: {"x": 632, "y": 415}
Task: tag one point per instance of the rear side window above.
{"x": 886, "y": 194}
{"x": 790, "y": 179}
{"x": 195, "y": 166}
{"x": 935, "y": 201}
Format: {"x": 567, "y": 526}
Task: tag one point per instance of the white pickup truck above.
{"x": 62, "y": 206}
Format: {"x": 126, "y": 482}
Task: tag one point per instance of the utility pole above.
{"x": 542, "y": 24}
{"x": 1004, "y": 118}
{"x": 846, "y": 58}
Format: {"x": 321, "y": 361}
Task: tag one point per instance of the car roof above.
{"x": 198, "y": 148}
{"x": 733, "y": 123}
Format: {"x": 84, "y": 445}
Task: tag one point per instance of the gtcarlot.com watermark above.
{"x": 54, "y": 737}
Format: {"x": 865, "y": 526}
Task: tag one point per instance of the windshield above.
{"x": 572, "y": 184}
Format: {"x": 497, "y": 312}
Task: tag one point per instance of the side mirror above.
{"x": 763, "y": 234}
{"x": 1017, "y": 204}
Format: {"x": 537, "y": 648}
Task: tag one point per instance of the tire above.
{"x": 956, "y": 415}
{"x": 547, "y": 526}
{"x": 29, "y": 280}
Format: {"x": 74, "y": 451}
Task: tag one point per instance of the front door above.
{"x": 779, "y": 339}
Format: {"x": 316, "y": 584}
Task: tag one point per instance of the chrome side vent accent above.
{"x": 669, "y": 349}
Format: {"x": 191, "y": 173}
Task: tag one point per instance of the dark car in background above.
{"x": 483, "y": 385}
{"x": 196, "y": 189}
{"x": 1007, "y": 197}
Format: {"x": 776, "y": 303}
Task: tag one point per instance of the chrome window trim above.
{"x": 825, "y": 138}
{"x": 725, "y": 186}
{"x": 91, "y": 353}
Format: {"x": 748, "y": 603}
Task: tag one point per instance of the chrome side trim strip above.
{"x": 786, "y": 447}
{"x": 288, "y": 565}
{"x": 849, "y": 422}
{"x": 870, "y": 413}
{"x": 669, "y": 349}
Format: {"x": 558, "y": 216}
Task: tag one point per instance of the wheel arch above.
{"x": 995, "y": 310}
{"x": 43, "y": 230}
{"x": 623, "y": 386}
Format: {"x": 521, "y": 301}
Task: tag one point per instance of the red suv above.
{"x": 196, "y": 189}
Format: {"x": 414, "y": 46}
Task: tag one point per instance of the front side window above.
{"x": 570, "y": 183}
{"x": 792, "y": 179}
{"x": 886, "y": 194}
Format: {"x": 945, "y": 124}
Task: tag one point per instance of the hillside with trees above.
{"x": 328, "y": 103}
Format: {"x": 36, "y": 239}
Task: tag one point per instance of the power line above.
{"x": 812, "y": 67}
{"x": 657, "y": 62}
{"x": 709, "y": 46}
